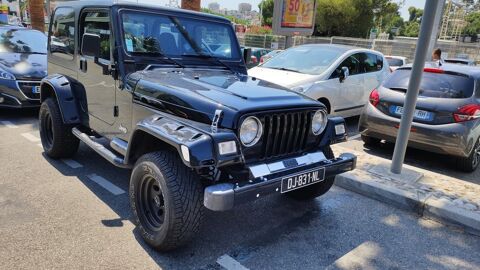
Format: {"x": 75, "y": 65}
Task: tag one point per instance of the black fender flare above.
{"x": 201, "y": 145}
{"x": 61, "y": 87}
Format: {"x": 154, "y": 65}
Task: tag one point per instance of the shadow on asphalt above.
{"x": 426, "y": 160}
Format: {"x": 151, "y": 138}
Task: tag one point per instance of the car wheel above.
{"x": 57, "y": 138}
{"x": 166, "y": 200}
{"x": 315, "y": 190}
{"x": 367, "y": 140}
{"x": 470, "y": 163}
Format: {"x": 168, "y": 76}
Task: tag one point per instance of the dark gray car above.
{"x": 447, "y": 116}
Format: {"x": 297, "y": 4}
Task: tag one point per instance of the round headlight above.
{"x": 250, "y": 131}
{"x": 319, "y": 122}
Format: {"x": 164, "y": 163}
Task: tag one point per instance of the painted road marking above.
{"x": 354, "y": 137}
{"x": 30, "y": 137}
{"x": 230, "y": 263}
{"x": 106, "y": 184}
{"x": 361, "y": 257}
{"x": 8, "y": 124}
{"x": 72, "y": 163}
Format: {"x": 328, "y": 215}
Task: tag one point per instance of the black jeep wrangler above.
{"x": 169, "y": 90}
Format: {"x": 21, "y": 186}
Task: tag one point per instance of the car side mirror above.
{"x": 344, "y": 73}
{"x": 247, "y": 55}
{"x": 91, "y": 45}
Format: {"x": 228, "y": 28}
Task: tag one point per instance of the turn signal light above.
{"x": 467, "y": 113}
{"x": 374, "y": 98}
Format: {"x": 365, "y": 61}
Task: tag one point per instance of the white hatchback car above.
{"x": 341, "y": 77}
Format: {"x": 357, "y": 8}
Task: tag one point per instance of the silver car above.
{"x": 341, "y": 77}
{"x": 447, "y": 115}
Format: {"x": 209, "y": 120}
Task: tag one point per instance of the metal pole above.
{"x": 426, "y": 28}
{"x": 436, "y": 26}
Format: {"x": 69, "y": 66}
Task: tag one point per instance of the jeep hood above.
{"x": 196, "y": 94}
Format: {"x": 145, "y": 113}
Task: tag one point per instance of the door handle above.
{"x": 83, "y": 64}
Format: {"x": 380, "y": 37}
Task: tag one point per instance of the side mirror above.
{"x": 91, "y": 45}
{"x": 344, "y": 73}
{"x": 247, "y": 55}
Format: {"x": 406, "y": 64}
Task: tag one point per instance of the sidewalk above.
{"x": 431, "y": 195}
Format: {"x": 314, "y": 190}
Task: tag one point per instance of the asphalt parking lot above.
{"x": 75, "y": 214}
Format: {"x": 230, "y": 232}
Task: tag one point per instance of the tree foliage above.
{"x": 266, "y": 7}
{"x": 412, "y": 27}
{"x": 473, "y": 24}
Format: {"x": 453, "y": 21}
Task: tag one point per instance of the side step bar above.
{"x": 100, "y": 149}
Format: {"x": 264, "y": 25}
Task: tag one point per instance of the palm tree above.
{"x": 37, "y": 17}
{"x": 191, "y": 4}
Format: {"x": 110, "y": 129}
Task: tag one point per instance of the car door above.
{"x": 351, "y": 88}
{"x": 94, "y": 73}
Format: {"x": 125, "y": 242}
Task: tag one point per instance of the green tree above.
{"x": 473, "y": 24}
{"x": 266, "y": 7}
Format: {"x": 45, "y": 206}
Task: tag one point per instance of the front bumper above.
{"x": 267, "y": 178}
{"x": 456, "y": 139}
{"x": 12, "y": 97}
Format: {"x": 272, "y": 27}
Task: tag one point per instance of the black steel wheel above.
{"x": 57, "y": 138}
{"x": 166, "y": 198}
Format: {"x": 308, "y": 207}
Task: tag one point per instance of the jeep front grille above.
{"x": 285, "y": 133}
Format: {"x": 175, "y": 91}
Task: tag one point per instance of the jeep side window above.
{"x": 62, "y": 33}
{"x": 98, "y": 22}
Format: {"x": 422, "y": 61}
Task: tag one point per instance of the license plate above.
{"x": 302, "y": 179}
{"x": 418, "y": 114}
{"x": 35, "y": 89}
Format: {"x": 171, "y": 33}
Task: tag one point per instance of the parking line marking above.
{"x": 106, "y": 184}
{"x": 230, "y": 263}
{"x": 72, "y": 163}
{"x": 8, "y": 124}
{"x": 360, "y": 257}
{"x": 30, "y": 137}
{"x": 354, "y": 137}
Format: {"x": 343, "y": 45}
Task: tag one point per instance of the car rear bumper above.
{"x": 456, "y": 139}
{"x": 225, "y": 196}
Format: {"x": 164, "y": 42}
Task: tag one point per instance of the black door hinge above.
{"x": 115, "y": 111}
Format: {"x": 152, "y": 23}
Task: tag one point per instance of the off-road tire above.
{"x": 367, "y": 140}
{"x": 57, "y": 138}
{"x": 182, "y": 198}
{"x": 315, "y": 190}
{"x": 470, "y": 163}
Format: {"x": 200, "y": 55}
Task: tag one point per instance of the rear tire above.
{"x": 367, "y": 140}
{"x": 57, "y": 138}
{"x": 166, "y": 198}
{"x": 470, "y": 163}
{"x": 315, "y": 190}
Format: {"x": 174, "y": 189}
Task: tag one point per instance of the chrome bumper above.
{"x": 267, "y": 178}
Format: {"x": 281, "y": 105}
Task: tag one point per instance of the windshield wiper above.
{"x": 159, "y": 53}
{"x": 285, "y": 69}
{"x": 211, "y": 57}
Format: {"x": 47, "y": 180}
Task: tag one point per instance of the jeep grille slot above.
{"x": 285, "y": 133}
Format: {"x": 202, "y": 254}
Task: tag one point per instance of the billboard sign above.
{"x": 294, "y": 17}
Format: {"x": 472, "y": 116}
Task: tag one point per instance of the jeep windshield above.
{"x": 150, "y": 34}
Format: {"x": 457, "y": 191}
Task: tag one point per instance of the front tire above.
{"x": 57, "y": 138}
{"x": 166, "y": 200}
{"x": 315, "y": 190}
{"x": 470, "y": 163}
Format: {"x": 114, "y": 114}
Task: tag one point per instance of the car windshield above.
{"x": 308, "y": 60}
{"x": 22, "y": 41}
{"x": 439, "y": 85}
{"x": 153, "y": 34}
{"x": 395, "y": 62}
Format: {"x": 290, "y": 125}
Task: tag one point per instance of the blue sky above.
{"x": 233, "y": 4}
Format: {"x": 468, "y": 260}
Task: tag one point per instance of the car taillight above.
{"x": 467, "y": 113}
{"x": 261, "y": 60}
{"x": 433, "y": 70}
{"x": 374, "y": 97}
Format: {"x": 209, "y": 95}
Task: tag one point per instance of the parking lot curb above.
{"x": 425, "y": 206}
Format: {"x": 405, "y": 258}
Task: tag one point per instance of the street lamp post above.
{"x": 428, "y": 19}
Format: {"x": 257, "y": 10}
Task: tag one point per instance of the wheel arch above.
{"x": 327, "y": 104}
{"x": 61, "y": 89}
